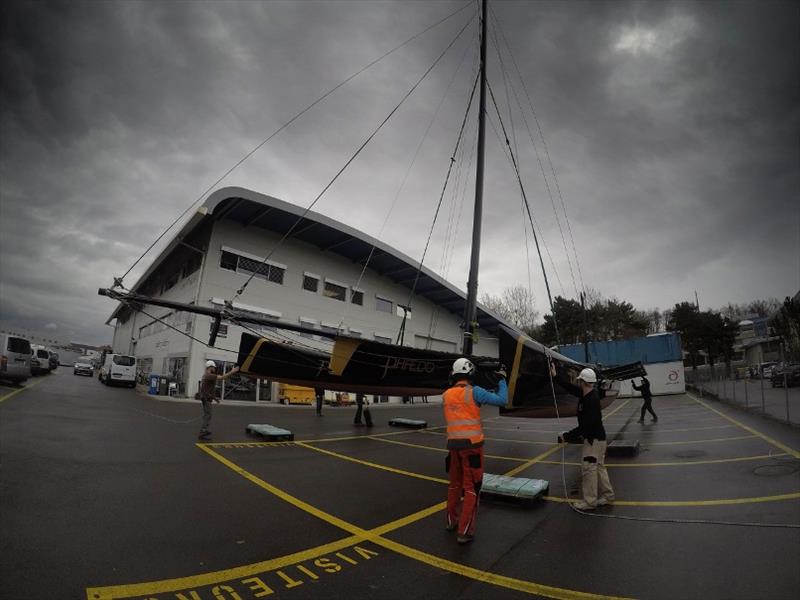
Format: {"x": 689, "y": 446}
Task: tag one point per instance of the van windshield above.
{"x": 124, "y": 361}
{"x": 19, "y": 345}
{"x": 43, "y": 354}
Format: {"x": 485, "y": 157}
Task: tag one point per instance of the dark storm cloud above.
{"x": 673, "y": 128}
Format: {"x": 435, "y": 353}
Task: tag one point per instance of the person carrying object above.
{"x": 464, "y": 462}
{"x": 208, "y": 394}
{"x": 362, "y": 409}
{"x": 595, "y": 484}
{"x": 647, "y": 397}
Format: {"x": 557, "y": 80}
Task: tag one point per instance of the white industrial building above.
{"x": 311, "y": 279}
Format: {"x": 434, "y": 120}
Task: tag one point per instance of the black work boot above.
{"x": 464, "y": 538}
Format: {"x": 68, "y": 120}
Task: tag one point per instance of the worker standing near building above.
{"x": 647, "y": 397}
{"x": 319, "y": 393}
{"x": 208, "y": 394}
{"x": 596, "y": 486}
{"x": 464, "y": 460}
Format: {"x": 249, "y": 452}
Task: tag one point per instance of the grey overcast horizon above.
{"x": 673, "y": 128}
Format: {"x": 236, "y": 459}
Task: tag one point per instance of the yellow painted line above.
{"x": 519, "y": 585}
{"x": 314, "y": 440}
{"x": 725, "y": 439}
{"x": 556, "y": 424}
{"x": 766, "y": 438}
{"x": 541, "y": 457}
{"x": 676, "y": 463}
{"x": 519, "y": 430}
{"x": 372, "y": 464}
{"x": 409, "y": 552}
{"x": 533, "y": 461}
{"x": 22, "y": 389}
{"x": 494, "y": 439}
{"x": 445, "y": 450}
{"x": 149, "y": 588}
{"x": 720, "y": 502}
{"x": 366, "y": 435}
{"x": 659, "y": 430}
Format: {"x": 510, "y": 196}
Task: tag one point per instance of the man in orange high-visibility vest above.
{"x": 464, "y": 461}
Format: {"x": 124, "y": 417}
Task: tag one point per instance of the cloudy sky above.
{"x": 672, "y": 128}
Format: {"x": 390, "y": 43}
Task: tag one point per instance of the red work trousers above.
{"x": 466, "y": 475}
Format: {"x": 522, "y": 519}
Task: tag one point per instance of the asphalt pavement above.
{"x": 106, "y": 493}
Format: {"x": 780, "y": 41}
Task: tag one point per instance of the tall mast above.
{"x": 470, "y": 314}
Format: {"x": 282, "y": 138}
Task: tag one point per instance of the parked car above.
{"x": 118, "y": 369}
{"x": 765, "y": 370}
{"x": 83, "y": 367}
{"x": 15, "y": 358}
{"x": 789, "y": 372}
{"x": 40, "y": 360}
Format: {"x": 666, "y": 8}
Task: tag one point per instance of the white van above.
{"x": 40, "y": 360}
{"x": 118, "y": 369}
{"x": 15, "y": 358}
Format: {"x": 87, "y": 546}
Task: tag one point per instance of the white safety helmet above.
{"x": 463, "y": 366}
{"x": 588, "y": 375}
{"x": 211, "y": 363}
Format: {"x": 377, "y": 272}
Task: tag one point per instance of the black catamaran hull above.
{"x": 357, "y": 365}
{"x": 542, "y": 383}
{"x": 370, "y": 367}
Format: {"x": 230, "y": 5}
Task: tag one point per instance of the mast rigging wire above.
{"x": 544, "y": 144}
{"x": 530, "y": 216}
{"x": 535, "y": 222}
{"x": 405, "y": 177}
{"x": 241, "y": 290}
{"x": 436, "y": 214}
{"x": 118, "y": 280}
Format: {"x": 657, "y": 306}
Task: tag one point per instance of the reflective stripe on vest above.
{"x": 462, "y": 414}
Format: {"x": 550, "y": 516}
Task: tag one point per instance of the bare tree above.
{"x": 515, "y": 304}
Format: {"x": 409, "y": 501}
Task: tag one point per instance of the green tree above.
{"x": 569, "y": 316}
{"x": 685, "y": 319}
{"x": 785, "y": 322}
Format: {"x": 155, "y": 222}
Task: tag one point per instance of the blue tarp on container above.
{"x": 649, "y": 350}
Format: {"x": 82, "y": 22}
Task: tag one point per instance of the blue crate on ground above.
{"x": 623, "y": 448}
{"x": 408, "y": 423}
{"x": 517, "y": 488}
{"x": 270, "y": 432}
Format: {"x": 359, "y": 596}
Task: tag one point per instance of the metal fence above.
{"x": 777, "y": 399}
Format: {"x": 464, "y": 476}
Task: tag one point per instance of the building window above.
{"x": 335, "y": 291}
{"x": 383, "y": 339}
{"x": 357, "y": 297}
{"x": 383, "y": 305}
{"x": 228, "y": 261}
{"x": 249, "y": 266}
{"x": 253, "y": 267}
{"x": 403, "y": 311}
{"x": 310, "y": 283}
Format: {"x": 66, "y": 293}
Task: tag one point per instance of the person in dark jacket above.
{"x": 319, "y": 393}
{"x": 596, "y": 486}
{"x": 647, "y": 397}
{"x": 360, "y": 409}
{"x": 208, "y": 394}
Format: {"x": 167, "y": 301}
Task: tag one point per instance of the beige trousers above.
{"x": 596, "y": 484}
